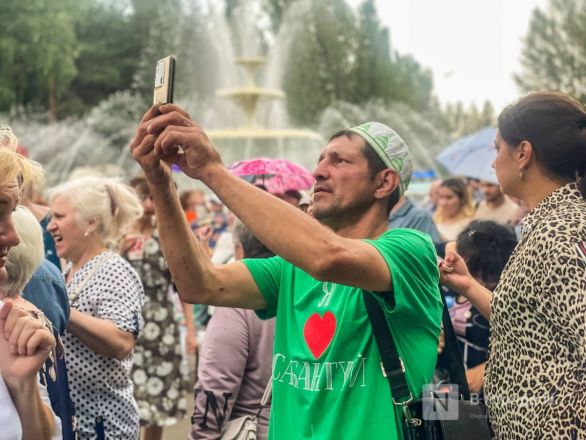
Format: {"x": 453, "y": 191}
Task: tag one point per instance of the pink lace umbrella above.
{"x": 278, "y": 175}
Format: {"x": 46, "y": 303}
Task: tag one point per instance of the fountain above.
{"x": 253, "y": 140}
{"x": 243, "y": 122}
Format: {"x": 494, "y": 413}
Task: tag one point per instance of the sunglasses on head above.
{"x": 482, "y": 239}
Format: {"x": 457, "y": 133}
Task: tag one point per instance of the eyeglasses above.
{"x": 484, "y": 240}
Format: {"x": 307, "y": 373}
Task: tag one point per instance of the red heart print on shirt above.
{"x": 319, "y": 332}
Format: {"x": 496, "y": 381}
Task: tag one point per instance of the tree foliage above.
{"x": 67, "y": 57}
{"x": 38, "y": 48}
{"x": 109, "y": 44}
{"x": 373, "y": 66}
{"x": 459, "y": 120}
{"x": 320, "y": 63}
{"x": 340, "y": 55}
{"x": 554, "y": 52}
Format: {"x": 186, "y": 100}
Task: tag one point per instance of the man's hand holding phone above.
{"x": 167, "y": 135}
{"x": 181, "y": 141}
{"x": 143, "y": 142}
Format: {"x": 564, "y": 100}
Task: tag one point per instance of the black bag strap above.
{"x": 392, "y": 365}
{"x": 452, "y": 353}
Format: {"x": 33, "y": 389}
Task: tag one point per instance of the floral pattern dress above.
{"x": 159, "y": 376}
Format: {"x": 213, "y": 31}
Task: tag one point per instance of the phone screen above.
{"x": 164, "y": 80}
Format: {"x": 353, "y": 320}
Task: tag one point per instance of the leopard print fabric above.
{"x": 535, "y": 384}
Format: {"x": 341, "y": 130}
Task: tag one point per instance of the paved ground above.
{"x": 180, "y": 430}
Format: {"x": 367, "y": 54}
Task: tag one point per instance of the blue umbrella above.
{"x": 471, "y": 156}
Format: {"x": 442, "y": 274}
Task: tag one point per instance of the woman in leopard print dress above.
{"x": 536, "y": 374}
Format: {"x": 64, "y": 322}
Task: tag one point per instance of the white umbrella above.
{"x": 472, "y": 156}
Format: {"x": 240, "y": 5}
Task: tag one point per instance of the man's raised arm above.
{"x": 196, "y": 278}
{"x": 286, "y": 230}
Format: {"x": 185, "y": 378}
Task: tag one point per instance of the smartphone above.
{"x": 164, "y": 80}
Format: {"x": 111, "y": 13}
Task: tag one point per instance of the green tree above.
{"x": 38, "y": 48}
{"x": 383, "y": 74}
{"x": 194, "y": 78}
{"x": 276, "y": 10}
{"x": 342, "y": 56}
{"x": 459, "y": 121}
{"x": 413, "y": 84}
{"x": 160, "y": 37}
{"x": 554, "y": 52}
{"x": 320, "y": 61}
{"x": 109, "y": 48}
{"x": 373, "y": 65}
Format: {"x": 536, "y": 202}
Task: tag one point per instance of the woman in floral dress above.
{"x": 158, "y": 373}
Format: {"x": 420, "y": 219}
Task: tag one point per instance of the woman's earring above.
{"x": 86, "y": 233}
{"x": 521, "y": 171}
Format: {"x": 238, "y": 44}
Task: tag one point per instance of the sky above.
{"x": 471, "y": 46}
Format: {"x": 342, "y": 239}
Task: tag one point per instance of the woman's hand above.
{"x": 454, "y": 274}
{"x": 25, "y": 343}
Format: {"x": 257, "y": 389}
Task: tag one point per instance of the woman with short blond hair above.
{"x": 24, "y": 343}
{"x": 89, "y": 215}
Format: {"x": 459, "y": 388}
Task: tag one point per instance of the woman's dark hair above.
{"x": 486, "y": 246}
{"x": 555, "y": 125}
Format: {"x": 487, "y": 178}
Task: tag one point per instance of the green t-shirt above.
{"x": 327, "y": 379}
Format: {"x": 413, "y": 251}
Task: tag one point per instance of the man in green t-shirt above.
{"x": 327, "y": 379}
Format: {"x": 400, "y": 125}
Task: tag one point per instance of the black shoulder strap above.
{"x": 455, "y": 362}
{"x": 392, "y": 365}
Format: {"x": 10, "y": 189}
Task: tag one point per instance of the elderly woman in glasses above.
{"x": 535, "y": 384}
{"x": 106, "y": 297}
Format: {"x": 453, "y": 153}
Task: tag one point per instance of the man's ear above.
{"x": 387, "y": 182}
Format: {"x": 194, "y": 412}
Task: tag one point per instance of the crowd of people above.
{"x": 107, "y": 287}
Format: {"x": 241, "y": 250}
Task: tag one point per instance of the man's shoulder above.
{"x": 419, "y": 212}
{"x": 405, "y": 243}
{"x": 403, "y": 234}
